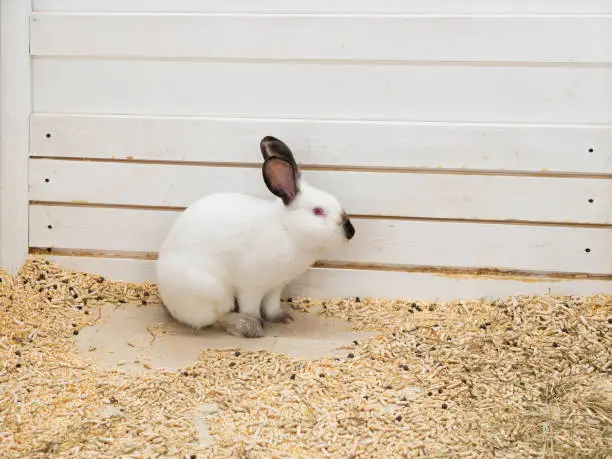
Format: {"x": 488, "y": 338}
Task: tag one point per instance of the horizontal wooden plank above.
{"x": 498, "y": 147}
{"x": 390, "y": 242}
{"x": 305, "y": 90}
{"x": 323, "y": 283}
{"x": 399, "y": 38}
{"x": 365, "y": 193}
{"x": 331, "y": 6}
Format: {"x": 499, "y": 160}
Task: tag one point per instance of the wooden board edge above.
{"x": 15, "y": 109}
{"x": 327, "y": 7}
{"x": 333, "y": 283}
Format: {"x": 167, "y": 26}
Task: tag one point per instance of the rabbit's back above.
{"x": 238, "y": 238}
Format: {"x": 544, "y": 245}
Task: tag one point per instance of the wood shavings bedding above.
{"x": 522, "y": 377}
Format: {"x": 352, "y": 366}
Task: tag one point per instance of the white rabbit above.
{"x": 228, "y": 256}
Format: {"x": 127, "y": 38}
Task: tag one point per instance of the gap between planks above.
{"x": 318, "y": 167}
{"x": 527, "y": 276}
{"x": 329, "y": 61}
{"x": 76, "y": 203}
{"x": 326, "y": 120}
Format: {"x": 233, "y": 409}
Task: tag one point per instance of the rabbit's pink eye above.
{"x": 318, "y": 211}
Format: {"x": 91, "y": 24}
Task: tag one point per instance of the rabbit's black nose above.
{"x": 349, "y": 229}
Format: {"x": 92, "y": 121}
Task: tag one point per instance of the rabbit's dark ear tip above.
{"x": 268, "y": 139}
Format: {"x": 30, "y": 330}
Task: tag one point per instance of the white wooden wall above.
{"x": 463, "y": 135}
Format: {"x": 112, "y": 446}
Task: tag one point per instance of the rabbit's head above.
{"x": 314, "y": 219}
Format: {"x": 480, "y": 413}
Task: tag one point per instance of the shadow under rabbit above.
{"x": 137, "y": 339}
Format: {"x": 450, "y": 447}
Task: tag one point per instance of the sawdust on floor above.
{"x": 522, "y": 377}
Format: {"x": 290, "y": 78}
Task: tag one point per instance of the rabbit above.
{"x": 228, "y": 256}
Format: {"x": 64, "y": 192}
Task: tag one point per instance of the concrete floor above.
{"x": 136, "y": 339}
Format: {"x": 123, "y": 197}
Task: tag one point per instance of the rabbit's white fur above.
{"x": 232, "y": 248}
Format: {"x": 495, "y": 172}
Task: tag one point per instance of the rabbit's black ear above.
{"x": 280, "y": 176}
{"x": 271, "y": 146}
